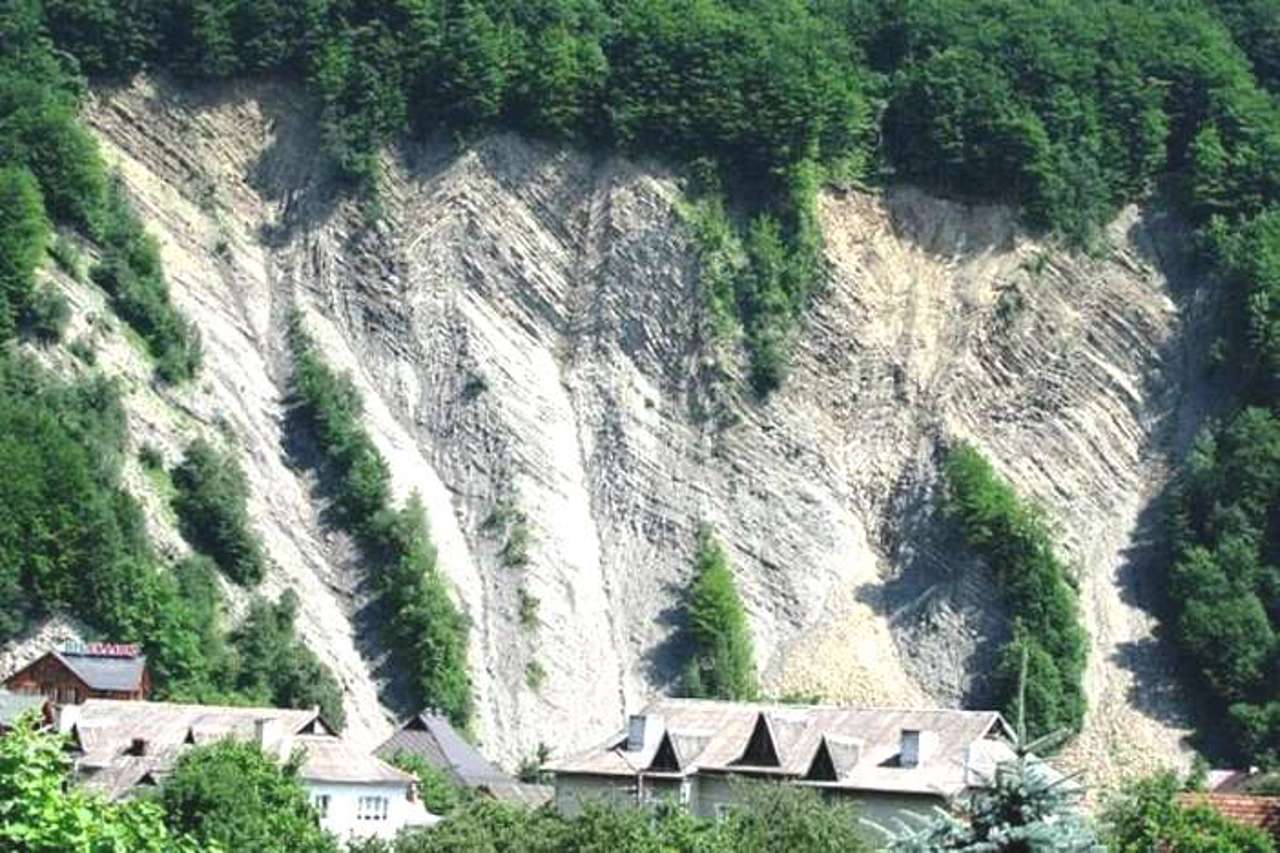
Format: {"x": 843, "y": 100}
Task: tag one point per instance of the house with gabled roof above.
{"x": 430, "y": 736}
{"x": 691, "y": 751}
{"x": 73, "y": 674}
{"x": 124, "y": 747}
{"x": 1256, "y": 811}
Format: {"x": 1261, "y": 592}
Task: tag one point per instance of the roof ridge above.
{"x": 756, "y": 705}
{"x": 245, "y": 709}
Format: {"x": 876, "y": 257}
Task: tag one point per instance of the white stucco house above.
{"x": 886, "y": 761}
{"x": 123, "y": 746}
{"x": 357, "y": 795}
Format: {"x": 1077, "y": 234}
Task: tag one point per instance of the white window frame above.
{"x": 372, "y": 808}
{"x": 320, "y": 802}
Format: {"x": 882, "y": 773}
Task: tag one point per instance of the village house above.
{"x": 122, "y": 747}
{"x": 1260, "y": 812}
{"x": 887, "y": 761}
{"x": 13, "y": 706}
{"x": 429, "y": 735}
{"x": 89, "y": 671}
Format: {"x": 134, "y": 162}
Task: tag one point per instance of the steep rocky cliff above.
{"x": 526, "y": 326}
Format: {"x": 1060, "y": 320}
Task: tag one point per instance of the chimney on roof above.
{"x": 635, "y": 732}
{"x": 915, "y": 747}
{"x": 67, "y": 717}
{"x": 266, "y": 731}
{"x": 138, "y": 746}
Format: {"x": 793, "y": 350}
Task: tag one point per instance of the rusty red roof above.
{"x": 1262, "y": 812}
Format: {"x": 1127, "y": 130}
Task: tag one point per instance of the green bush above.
{"x": 528, "y": 609}
{"x": 535, "y": 675}
{"x": 232, "y": 795}
{"x": 43, "y": 813}
{"x": 276, "y": 668}
{"x": 84, "y": 350}
{"x": 1224, "y": 582}
{"x": 24, "y": 232}
{"x": 426, "y": 627}
{"x": 47, "y": 315}
{"x": 1145, "y": 815}
{"x": 439, "y": 793}
{"x": 210, "y": 501}
{"x": 333, "y": 406}
{"x": 1014, "y": 538}
{"x": 724, "y": 665}
{"x": 131, "y": 274}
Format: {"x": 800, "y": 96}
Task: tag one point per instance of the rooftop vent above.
{"x": 138, "y": 746}
{"x": 266, "y": 731}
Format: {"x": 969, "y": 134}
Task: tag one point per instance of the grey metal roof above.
{"x": 519, "y": 793}
{"x": 433, "y": 739}
{"x": 14, "y": 705}
{"x": 105, "y": 673}
{"x": 864, "y": 744}
{"x": 106, "y": 730}
{"x": 330, "y": 759}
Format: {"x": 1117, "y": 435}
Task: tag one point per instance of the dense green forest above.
{"x": 73, "y": 540}
{"x": 1065, "y": 108}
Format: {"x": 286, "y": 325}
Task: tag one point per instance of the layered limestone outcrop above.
{"x": 526, "y": 326}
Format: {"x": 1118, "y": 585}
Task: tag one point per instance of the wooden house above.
{"x": 91, "y": 671}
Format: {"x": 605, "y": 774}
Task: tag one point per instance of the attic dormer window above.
{"x": 822, "y": 768}
{"x": 760, "y": 751}
{"x": 916, "y": 747}
{"x": 665, "y": 760}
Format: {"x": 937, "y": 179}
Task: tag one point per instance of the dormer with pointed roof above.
{"x": 667, "y": 758}
{"x": 848, "y": 752}
{"x": 833, "y": 759}
{"x": 760, "y": 751}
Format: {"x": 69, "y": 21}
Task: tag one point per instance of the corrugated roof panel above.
{"x": 123, "y": 674}
{"x": 797, "y": 731}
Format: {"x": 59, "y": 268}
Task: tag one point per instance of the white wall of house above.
{"x": 363, "y": 810}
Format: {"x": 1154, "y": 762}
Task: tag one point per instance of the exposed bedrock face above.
{"x": 526, "y": 326}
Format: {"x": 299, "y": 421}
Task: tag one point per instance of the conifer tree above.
{"x": 724, "y": 666}
{"x": 1028, "y": 807}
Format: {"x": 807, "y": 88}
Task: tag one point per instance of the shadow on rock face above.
{"x": 665, "y": 661}
{"x": 942, "y": 605}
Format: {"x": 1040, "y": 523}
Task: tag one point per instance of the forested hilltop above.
{"x": 1067, "y": 110}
